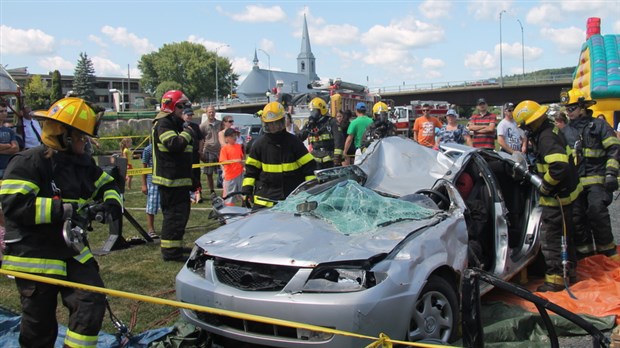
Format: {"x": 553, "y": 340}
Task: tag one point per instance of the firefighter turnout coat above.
{"x": 326, "y": 139}
{"x": 277, "y": 164}
{"x": 172, "y": 153}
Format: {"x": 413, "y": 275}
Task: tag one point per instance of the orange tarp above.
{"x": 597, "y": 290}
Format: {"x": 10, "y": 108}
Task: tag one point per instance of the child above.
{"x": 232, "y": 153}
{"x": 150, "y": 190}
{"x": 126, "y": 153}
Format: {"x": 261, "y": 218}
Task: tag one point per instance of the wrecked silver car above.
{"x": 377, "y": 247}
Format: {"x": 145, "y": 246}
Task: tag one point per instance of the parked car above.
{"x": 249, "y": 134}
{"x": 376, "y": 247}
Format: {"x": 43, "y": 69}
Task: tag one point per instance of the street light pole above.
{"x": 217, "y": 90}
{"x": 501, "y": 68}
{"x": 269, "y": 74}
{"x": 522, "y": 49}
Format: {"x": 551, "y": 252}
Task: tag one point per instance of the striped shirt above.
{"x": 483, "y": 140}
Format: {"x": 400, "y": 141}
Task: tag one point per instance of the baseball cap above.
{"x": 188, "y": 111}
{"x": 360, "y": 106}
{"x": 230, "y": 132}
{"x": 509, "y": 106}
{"x": 481, "y": 101}
{"x": 451, "y": 112}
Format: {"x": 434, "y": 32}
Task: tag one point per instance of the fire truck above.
{"x": 404, "y": 116}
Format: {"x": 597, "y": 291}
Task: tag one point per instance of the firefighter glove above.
{"x": 547, "y": 189}
{"x": 611, "y": 183}
{"x": 113, "y": 210}
{"x": 188, "y": 129}
{"x": 69, "y": 210}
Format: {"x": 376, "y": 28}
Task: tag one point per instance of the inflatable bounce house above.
{"x": 598, "y": 71}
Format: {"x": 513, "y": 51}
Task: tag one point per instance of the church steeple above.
{"x": 255, "y": 61}
{"x": 305, "y": 60}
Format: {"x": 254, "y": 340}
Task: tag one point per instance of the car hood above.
{"x": 400, "y": 166}
{"x": 304, "y": 241}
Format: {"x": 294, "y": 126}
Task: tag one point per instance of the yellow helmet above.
{"x": 318, "y": 104}
{"x": 528, "y": 111}
{"x": 575, "y": 96}
{"x": 272, "y": 112}
{"x": 379, "y": 107}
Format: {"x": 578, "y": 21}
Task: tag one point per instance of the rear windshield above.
{"x": 352, "y": 208}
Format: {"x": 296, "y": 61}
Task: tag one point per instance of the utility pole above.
{"x": 522, "y": 49}
{"x": 501, "y": 69}
{"x": 217, "y": 90}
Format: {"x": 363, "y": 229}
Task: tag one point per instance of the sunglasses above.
{"x": 510, "y": 110}
{"x": 425, "y": 110}
{"x": 230, "y": 121}
{"x": 4, "y": 110}
{"x": 572, "y": 108}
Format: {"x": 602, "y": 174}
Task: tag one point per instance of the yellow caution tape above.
{"x": 382, "y": 341}
{"x": 149, "y": 170}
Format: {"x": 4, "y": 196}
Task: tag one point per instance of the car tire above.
{"x": 436, "y": 312}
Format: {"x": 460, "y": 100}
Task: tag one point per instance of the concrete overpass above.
{"x": 544, "y": 91}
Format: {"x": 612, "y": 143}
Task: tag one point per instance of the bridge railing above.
{"x": 518, "y": 81}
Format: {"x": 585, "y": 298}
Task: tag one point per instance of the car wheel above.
{"x": 435, "y": 315}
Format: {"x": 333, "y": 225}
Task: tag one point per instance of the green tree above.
{"x": 189, "y": 64}
{"x": 36, "y": 93}
{"x": 84, "y": 78}
{"x": 167, "y": 86}
{"x": 56, "y": 90}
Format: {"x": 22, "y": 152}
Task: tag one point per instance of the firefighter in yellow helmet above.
{"x": 323, "y": 134}
{"x": 277, "y": 163}
{"x": 381, "y": 126}
{"x": 560, "y": 188}
{"x": 597, "y": 154}
{"x": 45, "y": 189}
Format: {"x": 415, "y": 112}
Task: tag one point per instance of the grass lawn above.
{"x": 138, "y": 269}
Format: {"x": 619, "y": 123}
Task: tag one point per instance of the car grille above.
{"x": 258, "y": 328}
{"x": 253, "y": 276}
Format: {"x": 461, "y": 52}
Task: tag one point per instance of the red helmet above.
{"x": 170, "y": 100}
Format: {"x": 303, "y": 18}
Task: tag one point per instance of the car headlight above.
{"x": 196, "y": 261}
{"x": 335, "y": 279}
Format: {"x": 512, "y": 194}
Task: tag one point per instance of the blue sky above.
{"x": 378, "y": 43}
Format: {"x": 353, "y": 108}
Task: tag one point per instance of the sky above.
{"x": 375, "y": 43}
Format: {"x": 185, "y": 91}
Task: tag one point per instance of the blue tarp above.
{"x": 9, "y": 334}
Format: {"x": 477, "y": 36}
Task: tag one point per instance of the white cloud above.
{"x": 333, "y": 34}
{"x": 30, "y": 41}
{"x": 121, "y": 36}
{"x": 70, "y": 42}
{"x": 480, "y": 60}
{"x": 106, "y": 67}
{"x": 256, "y": 14}
{"x": 433, "y": 9}
{"x": 616, "y": 26}
{"x": 488, "y": 9}
{"x": 567, "y": 40}
{"x": 56, "y": 63}
{"x": 393, "y": 43}
{"x": 99, "y": 41}
{"x": 432, "y": 63}
{"x": 267, "y": 45}
{"x": 222, "y": 48}
{"x": 515, "y": 51}
{"x": 432, "y": 74}
{"x": 544, "y": 14}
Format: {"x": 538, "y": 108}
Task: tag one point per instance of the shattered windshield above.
{"x": 352, "y": 208}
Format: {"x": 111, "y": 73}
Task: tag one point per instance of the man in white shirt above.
{"x": 32, "y": 129}
{"x": 510, "y": 137}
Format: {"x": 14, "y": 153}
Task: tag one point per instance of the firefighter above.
{"x": 597, "y": 152}
{"x": 173, "y": 141}
{"x": 277, "y": 163}
{"x": 42, "y": 188}
{"x": 381, "y": 126}
{"x": 560, "y": 188}
{"x": 324, "y": 134}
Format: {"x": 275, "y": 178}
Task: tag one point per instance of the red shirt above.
{"x": 483, "y": 140}
{"x": 231, "y": 152}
